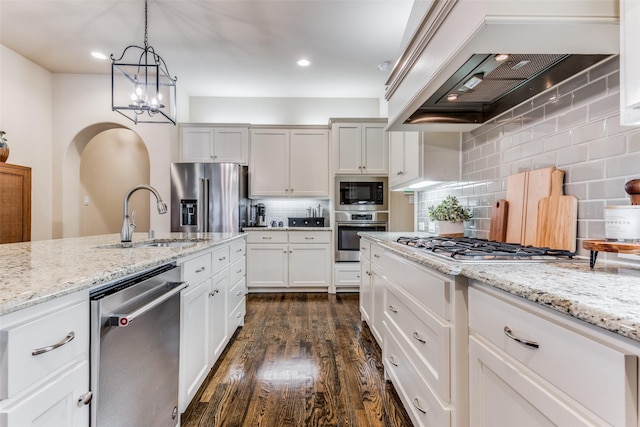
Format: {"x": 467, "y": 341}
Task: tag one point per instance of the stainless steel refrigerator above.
{"x": 209, "y": 197}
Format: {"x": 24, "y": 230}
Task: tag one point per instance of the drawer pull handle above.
{"x": 239, "y": 315}
{"x": 85, "y": 399}
{"x": 239, "y": 250}
{"x": 362, "y": 248}
{"x": 309, "y": 238}
{"x": 222, "y": 258}
{"x": 70, "y": 336}
{"x": 238, "y": 293}
{"x": 376, "y": 256}
{"x": 239, "y": 271}
{"x": 213, "y": 294}
{"x": 393, "y": 309}
{"x": 392, "y": 360}
{"x": 532, "y": 344}
{"x": 201, "y": 269}
{"x": 416, "y": 403}
{"x": 266, "y": 238}
{"x": 417, "y": 336}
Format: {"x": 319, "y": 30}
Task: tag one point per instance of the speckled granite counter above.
{"x": 607, "y": 296}
{"x": 34, "y": 272}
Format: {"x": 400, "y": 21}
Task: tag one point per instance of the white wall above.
{"x": 26, "y": 117}
{"x": 279, "y": 111}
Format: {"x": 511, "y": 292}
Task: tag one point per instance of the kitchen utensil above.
{"x": 538, "y": 187}
{"x": 557, "y": 217}
{"x": 516, "y": 194}
{"x": 310, "y": 212}
{"x": 499, "y": 215}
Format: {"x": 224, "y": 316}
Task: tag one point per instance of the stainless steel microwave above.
{"x": 361, "y": 193}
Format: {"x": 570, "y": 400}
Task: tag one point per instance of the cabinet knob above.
{"x": 222, "y": 258}
{"x": 85, "y": 399}
{"x": 200, "y": 270}
{"x": 393, "y": 309}
{"x": 213, "y": 294}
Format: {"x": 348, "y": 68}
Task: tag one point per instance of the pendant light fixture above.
{"x": 142, "y": 89}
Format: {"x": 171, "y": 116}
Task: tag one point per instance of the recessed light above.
{"x": 501, "y": 57}
{"x": 303, "y": 62}
{"x": 384, "y": 66}
{"x": 98, "y": 55}
{"x": 452, "y": 97}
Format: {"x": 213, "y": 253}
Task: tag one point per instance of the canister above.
{"x": 622, "y": 223}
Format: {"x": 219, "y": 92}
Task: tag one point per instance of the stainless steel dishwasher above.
{"x": 135, "y": 342}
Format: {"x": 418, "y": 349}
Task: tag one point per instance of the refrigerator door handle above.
{"x": 205, "y": 198}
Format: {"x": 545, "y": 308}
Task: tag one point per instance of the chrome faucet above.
{"x": 128, "y": 225}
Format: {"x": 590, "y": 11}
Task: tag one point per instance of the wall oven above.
{"x": 348, "y": 225}
{"x": 361, "y": 193}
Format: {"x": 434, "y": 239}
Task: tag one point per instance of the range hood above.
{"x": 489, "y": 84}
{"x": 467, "y": 62}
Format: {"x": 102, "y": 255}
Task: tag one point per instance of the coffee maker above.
{"x": 261, "y": 217}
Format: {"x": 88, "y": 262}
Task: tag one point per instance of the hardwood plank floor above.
{"x": 300, "y": 360}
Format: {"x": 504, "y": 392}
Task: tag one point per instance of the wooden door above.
{"x": 15, "y": 203}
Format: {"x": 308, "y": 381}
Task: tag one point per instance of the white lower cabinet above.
{"x": 206, "y": 307}
{"x": 346, "y": 276}
{"x": 284, "y": 260}
{"x": 44, "y": 364}
{"x": 527, "y": 367}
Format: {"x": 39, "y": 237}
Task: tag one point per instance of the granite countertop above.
{"x": 607, "y": 296}
{"x": 287, "y": 229}
{"x": 34, "y": 272}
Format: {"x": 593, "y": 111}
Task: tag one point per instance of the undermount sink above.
{"x": 159, "y": 243}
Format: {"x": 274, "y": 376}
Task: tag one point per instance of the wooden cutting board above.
{"x": 499, "y": 215}
{"x": 516, "y": 196}
{"x": 557, "y": 217}
{"x": 538, "y": 187}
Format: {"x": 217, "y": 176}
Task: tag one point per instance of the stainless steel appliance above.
{"x": 361, "y": 193}
{"x": 348, "y": 225}
{"x": 209, "y": 197}
{"x": 135, "y": 343}
{"x": 261, "y": 215}
{"x": 306, "y": 222}
{"x": 468, "y": 249}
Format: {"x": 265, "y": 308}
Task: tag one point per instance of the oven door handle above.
{"x": 122, "y": 320}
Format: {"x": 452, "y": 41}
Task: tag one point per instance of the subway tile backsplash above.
{"x": 574, "y": 127}
{"x": 282, "y": 209}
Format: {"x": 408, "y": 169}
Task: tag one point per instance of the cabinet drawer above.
{"x": 236, "y": 294}
{"x": 237, "y": 250}
{"x": 309, "y": 237}
{"x": 348, "y": 277}
{"x": 267, "y": 237}
{"x": 60, "y": 336}
{"x": 419, "y": 401}
{"x": 237, "y": 271}
{"x": 197, "y": 269}
{"x": 597, "y": 376}
{"x": 219, "y": 259}
{"x": 236, "y": 318}
{"x": 427, "y": 288}
{"x": 425, "y": 339}
{"x": 376, "y": 254}
{"x": 365, "y": 249}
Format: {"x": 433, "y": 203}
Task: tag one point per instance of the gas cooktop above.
{"x": 473, "y": 249}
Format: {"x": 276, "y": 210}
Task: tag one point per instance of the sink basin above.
{"x": 178, "y": 243}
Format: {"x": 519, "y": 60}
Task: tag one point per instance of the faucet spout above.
{"x": 128, "y": 225}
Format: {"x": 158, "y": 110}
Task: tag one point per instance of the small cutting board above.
{"x": 538, "y": 187}
{"x": 557, "y": 217}
{"x": 499, "y": 215}
{"x": 516, "y": 196}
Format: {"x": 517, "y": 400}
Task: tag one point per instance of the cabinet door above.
{"x": 377, "y": 302}
{"x": 347, "y": 148}
{"x": 375, "y": 149}
{"x": 309, "y": 163}
{"x": 309, "y": 265}
{"x": 267, "y": 265}
{"x": 196, "y": 144}
{"x": 269, "y": 163}
{"x": 503, "y": 394}
{"x": 396, "y": 158}
{"x": 412, "y": 156}
{"x": 218, "y": 313}
{"x": 55, "y": 403}
{"x": 629, "y": 62}
{"x": 194, "y": 341}
{"x": 365, "y": 289}
{"x": 230, "y": 145}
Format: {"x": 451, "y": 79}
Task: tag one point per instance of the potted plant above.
{"x": 450, "y": 215}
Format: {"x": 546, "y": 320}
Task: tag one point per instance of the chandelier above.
{"x": 142, "y": 89}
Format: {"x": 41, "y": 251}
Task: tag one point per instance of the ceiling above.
{"x": 236, "y": 48}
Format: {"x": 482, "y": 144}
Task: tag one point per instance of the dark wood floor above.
{"x": 300, "y": 360}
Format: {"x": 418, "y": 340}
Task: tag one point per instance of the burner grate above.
{"x": 478, "y": 249}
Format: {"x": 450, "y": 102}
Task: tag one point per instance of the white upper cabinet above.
{"x": 417, "y": 157}
{"x": 289, "y": 163}
{"x": 360, "y": 148}
{"x": 629, "y": 62}
{"x": 209, "y": 144}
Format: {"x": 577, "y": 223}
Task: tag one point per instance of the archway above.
{"x": 102, "y": 162}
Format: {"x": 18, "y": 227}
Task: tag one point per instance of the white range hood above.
{"x": 455, "y": 42}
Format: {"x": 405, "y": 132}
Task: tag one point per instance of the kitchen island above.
{"x": 483, "y": 342}
{"x": 34, "y": 272}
